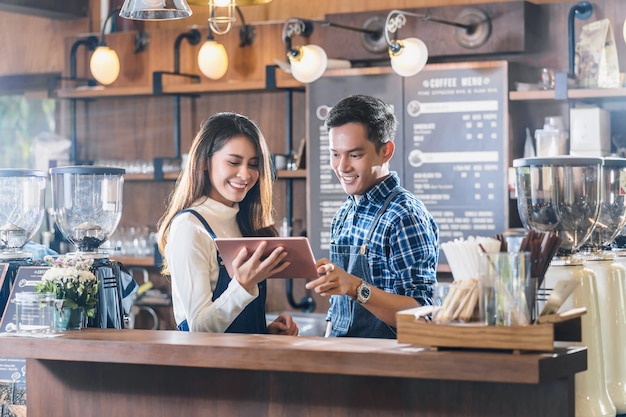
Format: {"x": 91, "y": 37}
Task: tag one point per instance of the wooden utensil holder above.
{"x": 534, "y": 337}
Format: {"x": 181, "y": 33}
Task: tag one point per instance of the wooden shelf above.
{"x": 291, "y": 173}
{"x": 103, "y": 92}
{"x": 138, "y": 177}
{"x": 282, "y": 81}
{"x": 173, "y": 176}
{"x": 573, "y": 94}
{"x": 134, "y": 260}
{"x": 531, "y": 95}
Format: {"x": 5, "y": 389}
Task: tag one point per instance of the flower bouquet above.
{"x": 71, "y": 279}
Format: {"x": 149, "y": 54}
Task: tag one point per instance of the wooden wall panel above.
{"x": 34, "y": 44}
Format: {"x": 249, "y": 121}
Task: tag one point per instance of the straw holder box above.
{"x": 533, "y": 337}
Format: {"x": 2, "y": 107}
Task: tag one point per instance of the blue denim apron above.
{"x": 348, "y": 317}
{"x": 252, "y": 318}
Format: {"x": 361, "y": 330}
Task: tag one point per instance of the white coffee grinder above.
{"x": 562, "y": 194}
{"x": 87, "y": 207}
{"x": 22, "y": 211}
{"x": 611, "y": 277}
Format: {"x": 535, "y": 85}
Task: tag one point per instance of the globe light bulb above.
{"x": 104, "y": 65}
{"x": 411, "y": 57}
{"x": 309, "y": 63}
{"x": 213, "y": 60}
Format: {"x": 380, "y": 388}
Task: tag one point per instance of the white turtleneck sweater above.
{"x": 192, "y": 260}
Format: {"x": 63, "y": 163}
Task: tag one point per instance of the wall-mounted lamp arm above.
{"x": 193, "y": 36}
{"x": 581, "y": 10}
{"x": 396, "y": 19}
{"x": 247, "y": 33}
{"x": 90, "y": 42}
{"x": 106, "y": 21}
{"x": 371, "y": 32}
{"x": 294, "y": 26}
{"x": 408, "y": 56}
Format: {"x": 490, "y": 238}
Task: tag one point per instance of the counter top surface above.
{"x": 342, "y": 356}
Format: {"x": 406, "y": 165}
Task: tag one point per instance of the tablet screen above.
{"x": 298, "y": 249}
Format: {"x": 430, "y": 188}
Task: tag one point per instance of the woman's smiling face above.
{"x": 233, "y": 171}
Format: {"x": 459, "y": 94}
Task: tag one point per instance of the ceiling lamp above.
{"x": 222, "y": 12}
{"x": 155, "y": 9}
{"x": 409, "y": 56}
{"x": 104, "y": 63}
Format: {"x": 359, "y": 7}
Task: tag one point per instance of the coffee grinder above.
{"x": 563, "y": 194}
{"x": 87, "y": 207}
{"x": 611, "y": 277}
{"x": 22, "y": 211}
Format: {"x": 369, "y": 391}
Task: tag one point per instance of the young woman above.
{"x": 224, "y": 191}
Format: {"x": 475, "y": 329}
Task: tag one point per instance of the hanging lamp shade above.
{"x": 155, "y": 9}
{"x": 309, "y": 63}
{"x": 410, "y": 58}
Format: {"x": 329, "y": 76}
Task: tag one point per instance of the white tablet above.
{"x": 298, "y": 249}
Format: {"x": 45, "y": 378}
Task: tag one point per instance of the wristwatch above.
{"x": 363, "y": 292}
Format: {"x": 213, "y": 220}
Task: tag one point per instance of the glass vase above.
{"x": 68, "y": 318}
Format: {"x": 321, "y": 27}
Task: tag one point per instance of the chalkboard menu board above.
{"x": 326, "y": 194}
{"x": 451, "y": 146}
{"x": 456, "y": 146}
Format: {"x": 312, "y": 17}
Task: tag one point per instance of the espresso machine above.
{"x": 87, "y": 207}
{"x": 22, "y": 211}
{"x": 563, "y": 194}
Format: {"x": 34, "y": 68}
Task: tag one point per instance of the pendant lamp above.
{"x": 155, "y": 9}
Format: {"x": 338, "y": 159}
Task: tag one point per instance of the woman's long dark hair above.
{"x": 255, "y": 217}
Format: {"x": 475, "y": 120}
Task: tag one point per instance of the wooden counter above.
{"x": 107, "y": 372}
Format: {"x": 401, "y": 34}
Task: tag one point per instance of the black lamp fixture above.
{"x": 308, "y": 62}
{"x": 213, "y": 58}
{"x": 90, "y": 42}
{"x": 193, "y": 37}
{"x": 104, "y": 63}
{"x": 409, "y": 56}
{"x": 581, "y": 10}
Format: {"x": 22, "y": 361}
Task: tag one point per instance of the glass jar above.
{"x": 34, "y": 312}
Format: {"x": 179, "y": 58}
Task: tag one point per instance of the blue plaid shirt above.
{"x": 404, "y": 248}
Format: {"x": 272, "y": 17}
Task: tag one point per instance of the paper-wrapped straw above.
{"x": 463, "y": 255}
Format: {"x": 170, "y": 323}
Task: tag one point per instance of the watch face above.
{"x": 365, "y": 292}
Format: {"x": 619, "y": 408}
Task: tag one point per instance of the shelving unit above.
{"x": 572, "y": 94}
{"x": 173, "y": 176}
{"x": 276, "y": 81}
{"x": 279, "y": 80}
{"x": 147, "y": 261}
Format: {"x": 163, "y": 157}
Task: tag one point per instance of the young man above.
{"x": 384, "y": 243}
